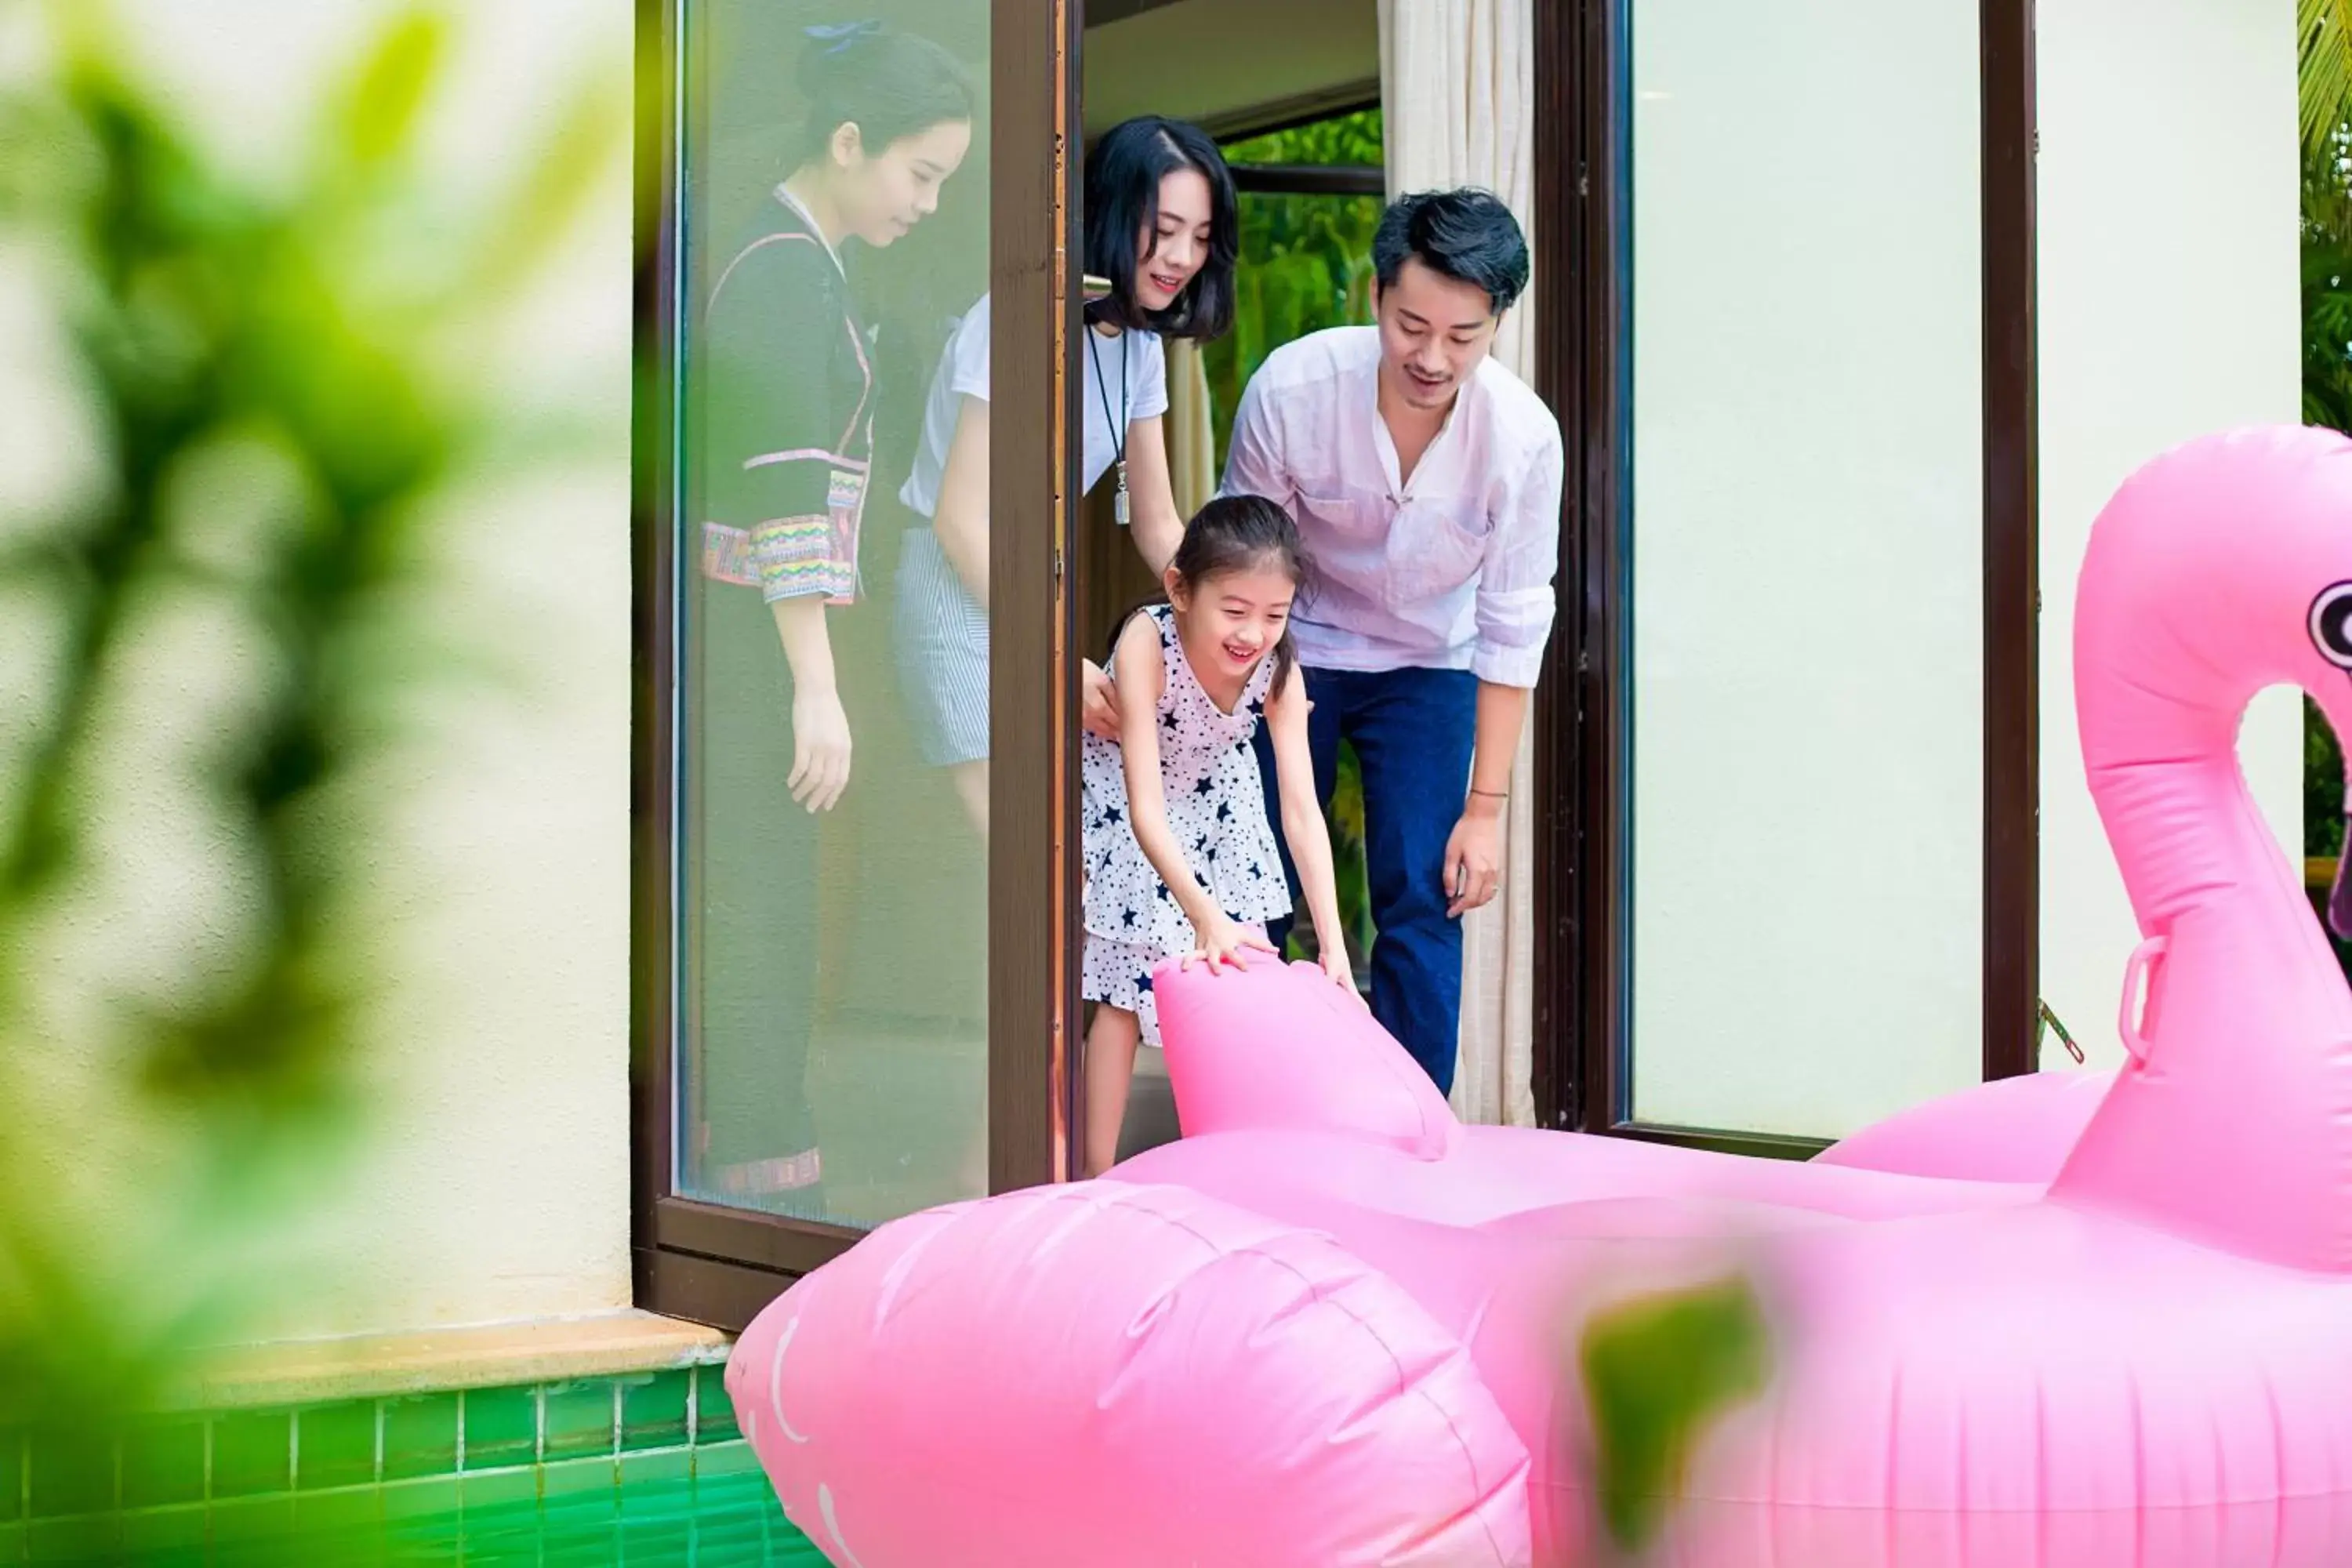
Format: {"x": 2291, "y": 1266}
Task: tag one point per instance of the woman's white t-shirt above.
{"x": 964, "y": 373}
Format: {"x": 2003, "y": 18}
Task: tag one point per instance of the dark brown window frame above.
{"x": 1310, "y": 179}
{"x": 706, "y": 1262}
{"x": 1582, "y": 894}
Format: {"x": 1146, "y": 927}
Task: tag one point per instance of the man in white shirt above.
{"x": 1426, "y": 480}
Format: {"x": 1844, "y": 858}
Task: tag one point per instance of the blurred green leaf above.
{"x": 1658, "y": 1371}
{"x": 539, "y": 215}
{"x": 380, "y": 112}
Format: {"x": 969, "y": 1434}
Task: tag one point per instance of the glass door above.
{"x": 1794, "y": 874}
{"x": 847, "y": 991}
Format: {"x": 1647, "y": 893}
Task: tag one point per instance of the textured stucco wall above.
{"x": 486, "y": 1176}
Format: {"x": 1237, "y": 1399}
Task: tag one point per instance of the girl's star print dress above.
{"x": 1216, "y": 814}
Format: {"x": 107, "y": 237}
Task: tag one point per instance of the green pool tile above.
{"x": 255, "y": 1529}
{"x": 578, "y": 1533}
{"x": 507, "y": 1489}
{"x": 648, "y": 1476}
{"x": 501, "y": 1428}
{"x": 420, "y": 1436}
{"x": 430, "y": 1497}
{"x": 165, "y": 1535}
{"x": 252, "y": 1453}
{"x": 73, "y": 1473}
{"x": 714, "y": 1413}
{"x": 575, "y": 1546}
{"x": 734, "y": 1458}
{"x": 340, "y": 1516}
{"x": 652, "y": 1411}
{"x": 163, "y": 1463}
{"x": 575, "y": 1478}
{"x": 96, "y": 1538}
{"x": 579, "y": 1420}
{"x": 335, "y": 1445}
{"x": 12, "y": 1479}
{"x": 667, "y": 1539}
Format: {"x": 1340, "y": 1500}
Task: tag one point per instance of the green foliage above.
{"x": 1305, "y": 261}
{"x": 1658, "y": 1372}
{"x": 2324, "y": 36}
{"x": 269, "y": 353}
{"x": 2323, "y": 785}
{"x": 2327, "y": 277}
{"x": 1307, "y": 264}
{"x": 2324, "y": 30}
{"x": 1357, "y": 141}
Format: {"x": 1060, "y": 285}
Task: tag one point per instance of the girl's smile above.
{"x": 1229, "y": 623}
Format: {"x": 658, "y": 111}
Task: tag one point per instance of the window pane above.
{"x": 1808, "y": 519}
{"x": 831, "y": 1035}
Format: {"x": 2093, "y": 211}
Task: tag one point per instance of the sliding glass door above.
{"x": 1793, "y": 856}
{"x": 852, "y": 243}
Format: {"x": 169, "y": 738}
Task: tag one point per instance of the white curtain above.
{"x": 1457, "y": 93}
{"x": 1191, "y": 435}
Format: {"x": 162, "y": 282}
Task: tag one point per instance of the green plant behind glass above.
{"x": 278, "y": 395}
{"x": 2324, "y": 30}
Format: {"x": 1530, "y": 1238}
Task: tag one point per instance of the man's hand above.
{"x": 1100, "y": 715}
{"x": 1474, "y": 858}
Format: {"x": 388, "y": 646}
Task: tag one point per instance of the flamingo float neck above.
{"x": 2208, "y": 579}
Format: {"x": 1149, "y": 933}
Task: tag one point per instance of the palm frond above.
{"x": 2324, "y": 48}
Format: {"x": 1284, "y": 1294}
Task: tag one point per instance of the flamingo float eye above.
{"x": 2331, "y": 624}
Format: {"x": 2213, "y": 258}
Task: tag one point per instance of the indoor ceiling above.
{"x": 1230, "y": 65}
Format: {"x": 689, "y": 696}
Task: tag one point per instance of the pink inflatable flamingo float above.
{"x": 1328, "y": 1326}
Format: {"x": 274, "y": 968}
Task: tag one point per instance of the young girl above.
{"x": 1180, "y": 859}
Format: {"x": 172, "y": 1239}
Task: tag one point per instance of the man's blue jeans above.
{"x": 1412, "y": 730}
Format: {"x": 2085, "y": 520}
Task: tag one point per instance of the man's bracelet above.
{"x": 1491, "y": 794}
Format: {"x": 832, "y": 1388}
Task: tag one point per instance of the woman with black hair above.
{"x": 1161, "y": 230}
{"x": 780, "y": 400}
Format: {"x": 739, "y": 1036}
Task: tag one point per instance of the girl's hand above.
{"x": 1222, "y": 942}
{"x": 819, "y": 749}
{"x": 1334, "y": 964}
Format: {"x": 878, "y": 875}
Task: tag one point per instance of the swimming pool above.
{"x": 662, "y": 1520}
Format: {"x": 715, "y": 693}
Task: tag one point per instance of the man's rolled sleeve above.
{"x": 1515, "y": 602}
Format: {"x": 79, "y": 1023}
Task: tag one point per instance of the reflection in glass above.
{"x": 830, "y": 1044}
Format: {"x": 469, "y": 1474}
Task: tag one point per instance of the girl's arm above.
{"x": 820, "y": 728}
{"x": 962, "y": 520}
{"x": 1156, "y": 525}
{"x": 1302, "y": 821}
{"x": 1141, "y": 680}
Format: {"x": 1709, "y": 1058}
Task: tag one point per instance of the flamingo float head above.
{"x": 2220, "y": 569}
